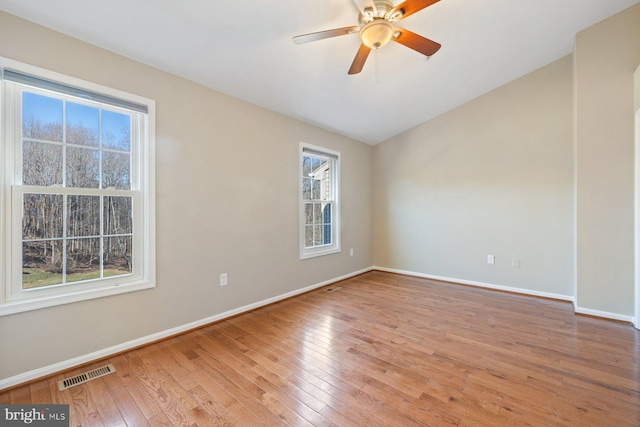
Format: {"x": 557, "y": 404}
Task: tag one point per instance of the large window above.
{"x": 77, "y": 190}
{"x": 319, "y": 213}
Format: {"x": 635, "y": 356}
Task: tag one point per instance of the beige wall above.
{"x": 216, "y": 212}
{"x": 636, "y": 107}
{"x": 493, "y": 176}
{"x": 606, "y": 56}
{"x": 636, "y": 79}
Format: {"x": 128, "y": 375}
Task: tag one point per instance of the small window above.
{"x": 319, "y": 209}
{"x": 78, "y": 190}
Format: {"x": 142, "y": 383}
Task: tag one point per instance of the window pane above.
{"x": 317, "y": 235}
{"x": 117, "y": 215}
{"x": 326, "y": 221}
{"x": 42, "y": 216}
{"x": 317, "y": 213}
{"x": 117, "y": 256}
{"x": 83, "y": 259}
{"x": 306, "y": 166}
{"x": 326, "y": 213}
{"x": 41, "y": 164}
{"x": 116, "y": 130}
{"x": 83, "y": 216}
{"x": 326, "y": 234}
{"x": 308, "y": 213}
{"x": 325, "y": 191}
{"x": 306, "y": 188}
{"x": 83, "y": 167}
{"x": 308, "y": 236}
{"x": 115, "y": 170}
{"x": 41, "y": 117}
{"x": 316, "y": 189}
{"x": 41, "y": 264}
{"x": 83, "y": 123}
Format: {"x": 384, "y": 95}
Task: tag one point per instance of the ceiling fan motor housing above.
{"x": 382, "y": 10}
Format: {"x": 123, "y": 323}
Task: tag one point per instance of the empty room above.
{"x": 320, "y": 213}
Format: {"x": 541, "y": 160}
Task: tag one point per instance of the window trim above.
{"x": 334, "y": 157}
{"x": 144, "y": 159}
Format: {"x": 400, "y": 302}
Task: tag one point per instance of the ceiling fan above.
{"x": 377, "y": 27}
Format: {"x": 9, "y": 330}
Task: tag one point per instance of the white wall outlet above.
{"x": 224, "y": 279}
{"x": 515, "y": 262}
{"x": 491, "y": 259}
{"x": 351, "y": 252}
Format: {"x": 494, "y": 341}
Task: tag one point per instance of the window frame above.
{"x": 334, "y": 158}
{"x": 142, "y": 191}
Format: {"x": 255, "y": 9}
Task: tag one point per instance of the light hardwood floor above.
{"x": 384, "y": 350}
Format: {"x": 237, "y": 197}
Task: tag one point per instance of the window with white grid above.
{"x": 319, "y": 213}
{"x": 77, "y": 190}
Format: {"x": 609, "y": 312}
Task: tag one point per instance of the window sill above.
{"x": 318, "y": 253}
{"x": 19, "y": 306}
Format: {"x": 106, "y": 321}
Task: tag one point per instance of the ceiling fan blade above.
{"x": 311, "y": 37}
{"x": 360, "y": 59}
{"x": 418, "y": 43}
{"x": 409, "y": 7}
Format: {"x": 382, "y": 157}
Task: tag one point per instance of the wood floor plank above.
{"x": 221, "y": 397}
{"x": 262, "y": 371}
{"x": 40, "y": 392}
{"x": 293, "y": 401}
{"x": 153, "y": 360}
{"x": 62, "y": 398}
{"x": 124, "y": 401}
{"x": 210, "y": 411}
{"x": 20, "y": 395}
{"x": 85, "y": 407}
{"x": 103, "y": 404}
{"x": 248, "y": 394}
{"x": 383, "y": 350}
{"x": 161, "y": 389}
{"x": 137, "y": 388}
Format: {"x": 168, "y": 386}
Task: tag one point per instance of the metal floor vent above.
{"x": 86, "y": 377}
{"x": 332, "y": 289}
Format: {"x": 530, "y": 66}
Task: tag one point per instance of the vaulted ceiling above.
{"x": 245, "y": 49}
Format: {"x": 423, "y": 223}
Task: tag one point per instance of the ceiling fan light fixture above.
{"x": 376, "y": 27}
{"x": 377, "y": 33}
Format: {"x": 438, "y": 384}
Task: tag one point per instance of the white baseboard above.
{"x": 528, "y": 292}
{"x": 100, "y": 354}
{"x": 605, "y": 314}
{"x": 576, "y": 309}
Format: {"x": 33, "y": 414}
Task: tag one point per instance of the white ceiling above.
{"x": 244, "y": 49}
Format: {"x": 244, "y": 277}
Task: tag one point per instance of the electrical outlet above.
{"x": 224, "y": 279}
{"x": 515, "y": 262}
{"x": 491, "y": 259}
{"x": 351, "y": 252}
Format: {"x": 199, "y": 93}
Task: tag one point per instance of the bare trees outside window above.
{"x": 75, "y": 225}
